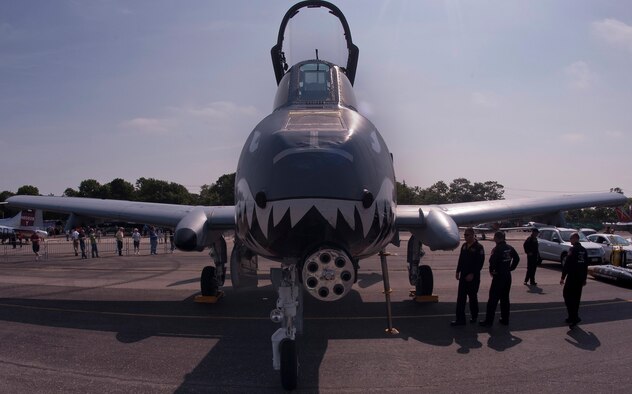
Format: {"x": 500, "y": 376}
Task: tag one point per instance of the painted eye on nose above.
{"x": 367, "y": 199}
{"x": 261, "y": 199}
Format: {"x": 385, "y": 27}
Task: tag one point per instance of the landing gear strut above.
{"x": 387, "y": 294}
{"x": 212, "y": 278}
{"x": 419, "y": 275}
{"x": 284, "y": 354}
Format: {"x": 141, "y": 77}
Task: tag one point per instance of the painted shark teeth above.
{"x": 328, "y": 208}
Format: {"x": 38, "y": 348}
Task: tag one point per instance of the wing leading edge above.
{"x": 191, "y": 222}
{"x": 437, "y": 225}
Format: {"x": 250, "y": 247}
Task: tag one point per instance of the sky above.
{"x": 536, "y": 95}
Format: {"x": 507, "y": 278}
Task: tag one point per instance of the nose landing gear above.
{"x": 284, "y": 353}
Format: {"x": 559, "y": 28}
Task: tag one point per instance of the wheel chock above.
{"x": 208, "y": 299}
{"x": 423, "y": 298}
{"x": 427, "y": 298}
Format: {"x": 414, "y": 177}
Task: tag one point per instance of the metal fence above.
{"x": 106, "y": 246}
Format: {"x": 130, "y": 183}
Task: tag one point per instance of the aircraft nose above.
{"x": 315, "y": 173}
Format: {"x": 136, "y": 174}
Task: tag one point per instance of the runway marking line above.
{"x": 267, "y": 318}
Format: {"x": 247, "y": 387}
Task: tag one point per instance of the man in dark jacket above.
{"x": 502, "y": 261}
{"x": 468, "y": 273}
{"x": 533, "y": 256}
{"x": 574, "y": 271}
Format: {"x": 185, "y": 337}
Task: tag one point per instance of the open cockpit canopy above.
{"x": 279, "y": 62}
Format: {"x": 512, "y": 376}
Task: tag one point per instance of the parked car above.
{"x": 588, "y": 231}
{"x": 531, "y": 225}
{"x": 607, "y": 241}
{"x": 554, "y": 243}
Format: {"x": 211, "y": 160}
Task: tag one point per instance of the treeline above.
{"x": 222, "y": 192}
{"x": 155, "y": 190}
{"x": 459, "y": 190}
{"x": 145, "y": 189}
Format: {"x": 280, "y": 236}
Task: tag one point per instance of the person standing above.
{"x": 502, "y": 261}
{"x": 172, "y": 244}
{"x": 13, "y": 239}
{"x": 82, "y": 244}
{"x": 93, "y": 243}
{"x": 35, "y": 243}
{"x": 574, "y": 273}
{"x": 153, "y": 240}
{"x": 119, "y": 240}
{"x": 74, "y": 235}
{"x": 136, "y": 240}
{"x": 533, "y": 256}
{"x": 468, "y": 273}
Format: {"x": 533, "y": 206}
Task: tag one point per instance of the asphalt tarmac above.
{"x": 129, "y": 324}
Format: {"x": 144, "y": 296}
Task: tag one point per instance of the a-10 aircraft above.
{"x": 315, "y": 190}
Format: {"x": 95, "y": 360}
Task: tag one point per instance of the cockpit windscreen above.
{"x": 314, "y": 82}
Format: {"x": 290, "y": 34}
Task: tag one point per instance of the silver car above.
{"x": 554, "y": 243}
{"x": 588, "y": 231}
{"x": 607, "y": 241}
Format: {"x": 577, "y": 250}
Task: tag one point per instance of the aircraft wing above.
{"x": 437, "y": 225}
{"x": 478, "y": 229}
{"x": 192, "y": 223}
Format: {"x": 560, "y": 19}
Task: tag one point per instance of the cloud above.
{"x": 485, "y": 99}
{"x": 219, "y": 116}
{"x": 614, "y": 134}
{"x": 217, "y": 111}
{"x": 573, "y": 138}
{"x": 580, "y": 76}
{"x": 148, "y": 125}
{"x": 614, "y": 32}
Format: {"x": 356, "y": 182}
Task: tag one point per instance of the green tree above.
{"x": 154, "y": 190}
{"x": 90, "y": 188}
{"x": 406, "y": 195}
{"x": 436, "y": 194}
{"x": 121, "y": 190}
{"x": 222, "y": 192}
{"x": 487, "y": 191}
{"x": 28, "y": 190}
{"x": 460, "y": 191}
{"x": 70, "y": 192}
{"x": 616, "y": 190}
{"x": 6, "y": 212}
{"x": 5, "y": 194}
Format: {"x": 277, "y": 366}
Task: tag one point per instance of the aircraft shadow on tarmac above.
{"x": 241, "y": 357}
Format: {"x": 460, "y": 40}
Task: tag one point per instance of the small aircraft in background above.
{"x": 22, "y": 225}
{"x": 484, "y": 228}
{"x": 624, "y": 220}
{"x": 315, "y": 191}
{"x": 492, "y": 227}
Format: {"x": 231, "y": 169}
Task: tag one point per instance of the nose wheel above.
{"x": 289, "y": 364}
{"x": 208, "y": 281}
{"x": 284, "y": 354}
